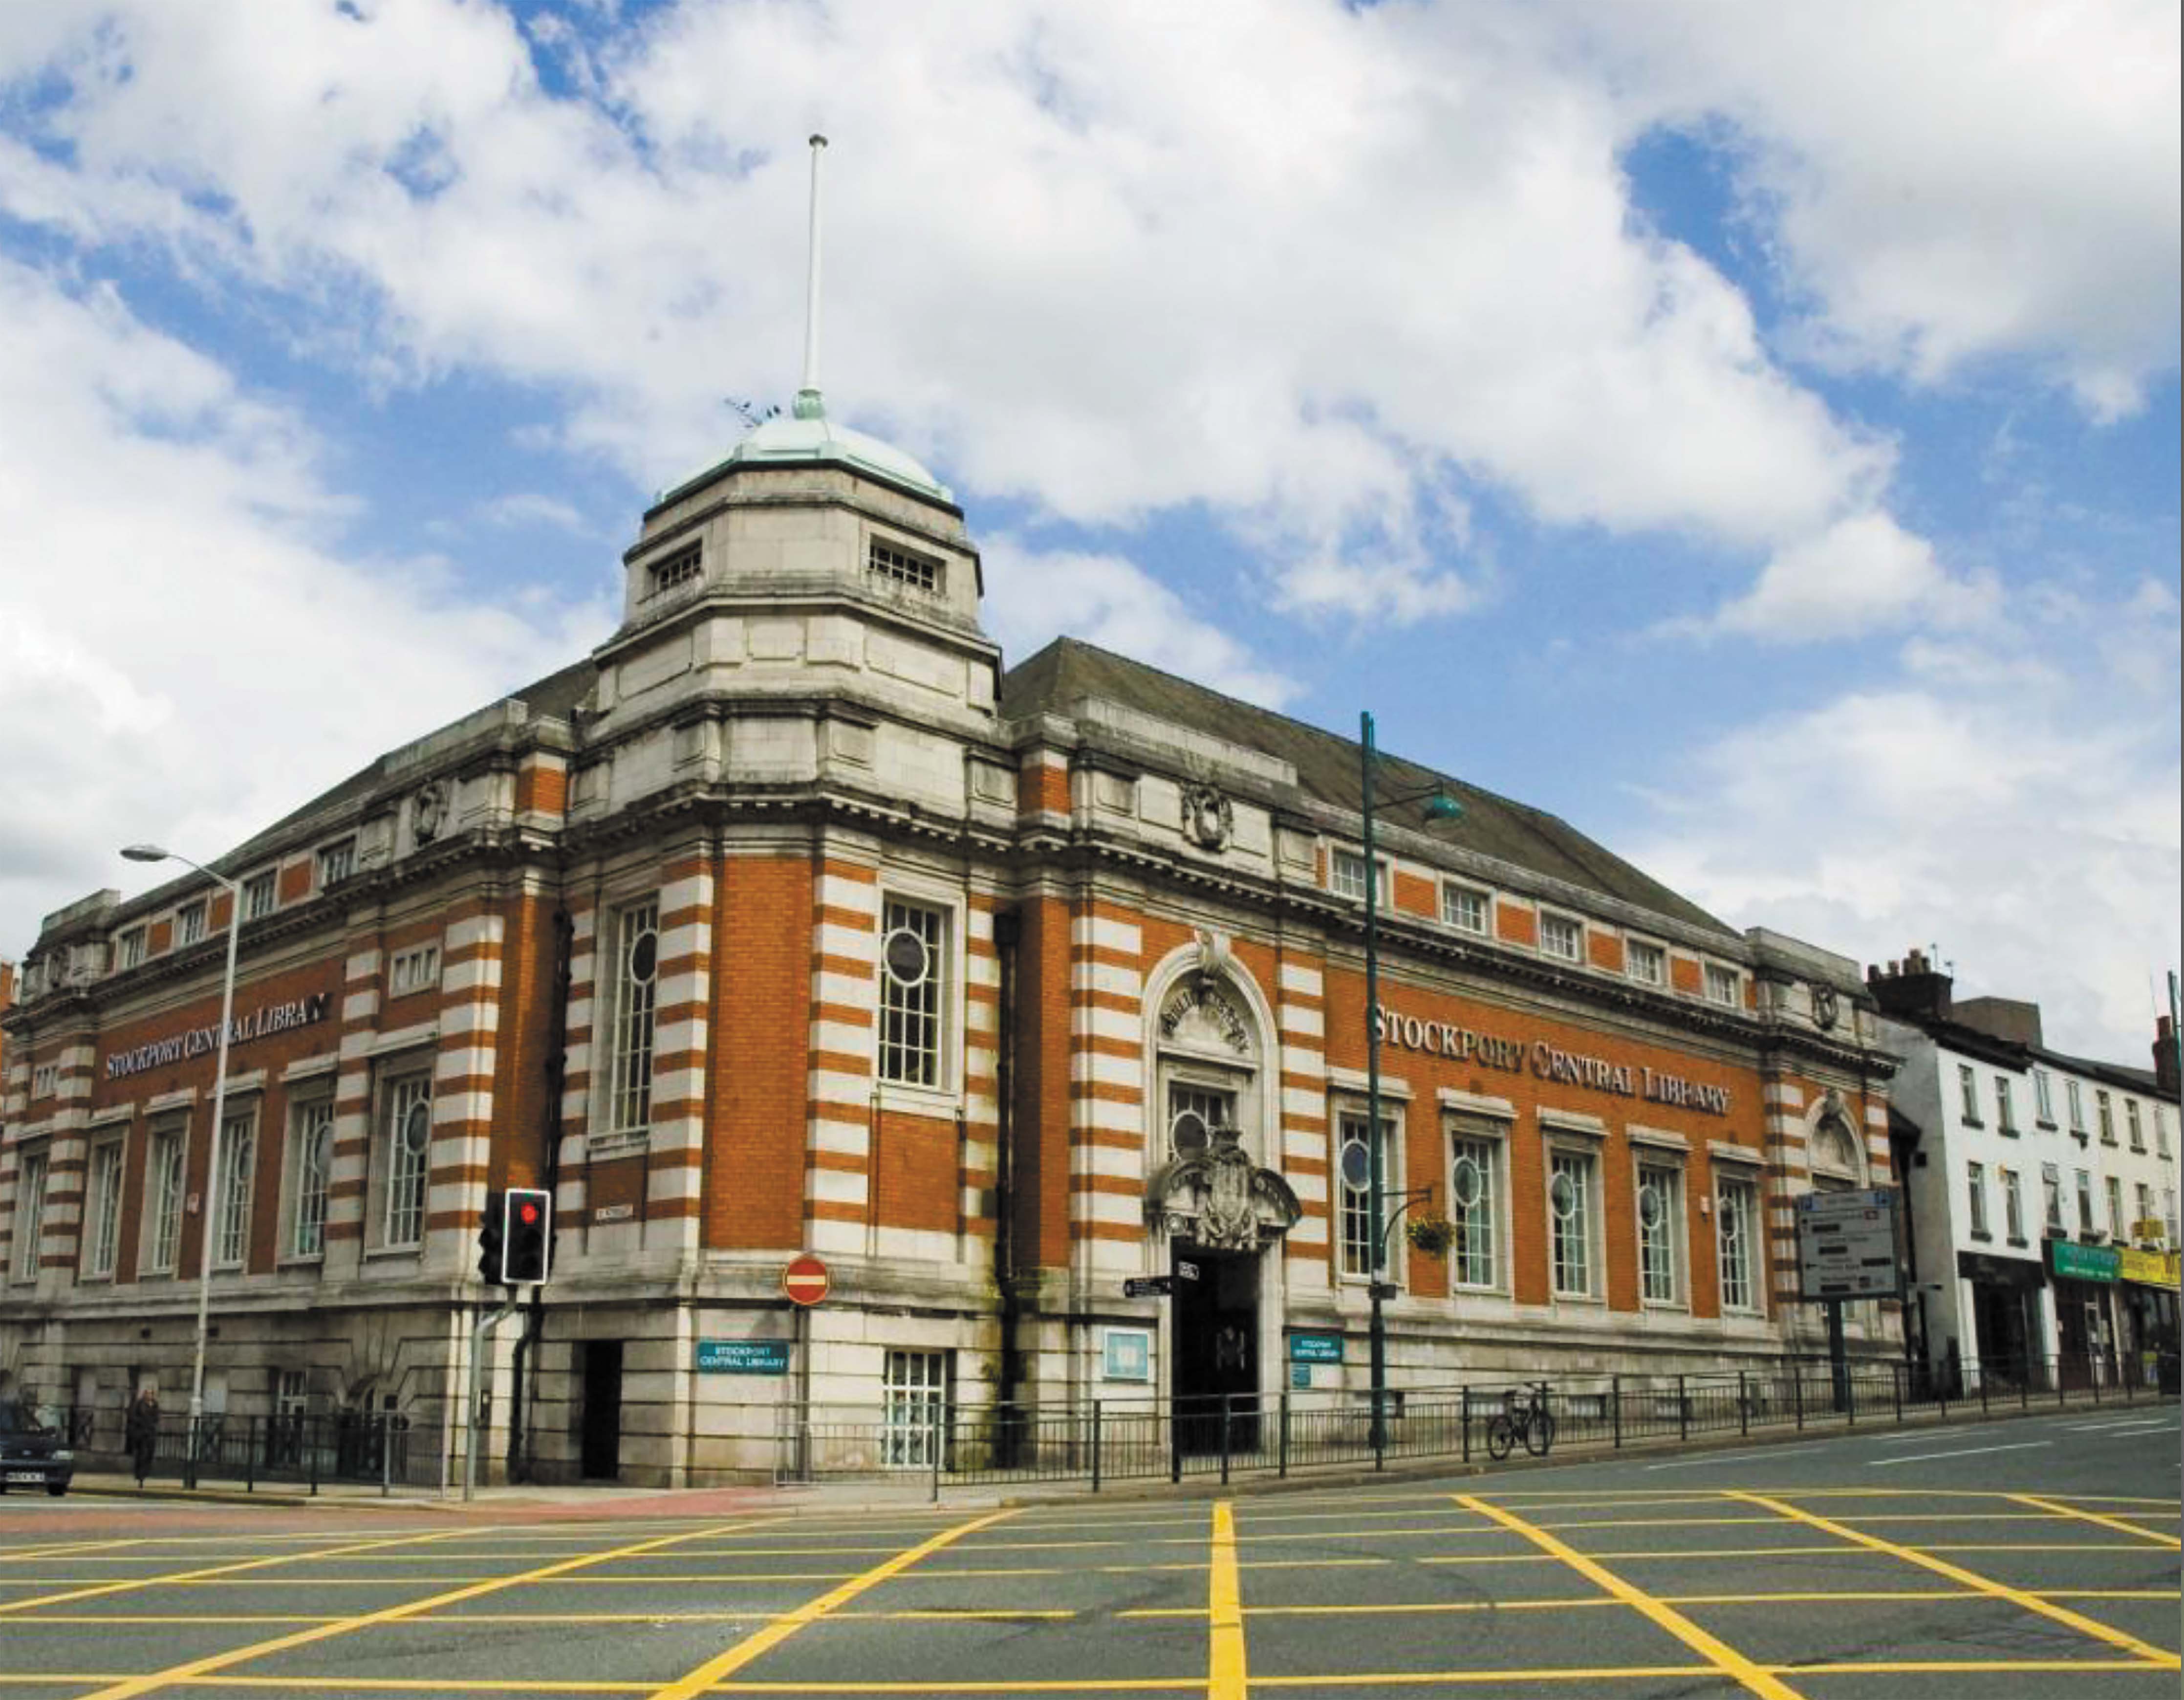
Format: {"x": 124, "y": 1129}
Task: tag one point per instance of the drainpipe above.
{"x": 1008, "y": 930}
{"x": 534, "y": 1320}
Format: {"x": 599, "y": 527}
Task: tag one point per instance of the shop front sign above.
{"x": 2072, "y": 1262}
{"x": 2148, "y": 1269}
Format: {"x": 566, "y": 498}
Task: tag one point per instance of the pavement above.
{"x": 612, "y": 1500}
{"x": 1959, "y": 1559}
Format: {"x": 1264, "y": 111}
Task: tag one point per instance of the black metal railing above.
{"x": 1108, "y": 1441}
{"x": 354, "y": 1448}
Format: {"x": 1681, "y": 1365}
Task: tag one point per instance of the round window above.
{"x": 1466, "y": 1184}
{"x": 644, "y": 956}
{"x": 1561, "y": 1194}
{"x": 322, "y": 1148}
{"x": 909, "y": 962}
{"x": 1650, "y": 1207}
{"x": 1188, "y": 1132}
{"x": 417, "y": 1128}
{"x": 1357, "y": 1165}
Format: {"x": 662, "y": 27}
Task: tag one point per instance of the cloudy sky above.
{"x": 1751, "y": 432}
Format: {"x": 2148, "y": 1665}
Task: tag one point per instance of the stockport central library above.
{"x": 789, "y": 920}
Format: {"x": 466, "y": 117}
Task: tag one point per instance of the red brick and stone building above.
{"x": 788, "y": 920}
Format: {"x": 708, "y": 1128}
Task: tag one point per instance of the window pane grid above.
{"x": 237, "y": 1138}
{"x": 636, "y": 940}
{"x": 915, "y": 1396}
{"x": 1569, "y": 1193}
{"x": 1358, "y": 1238}
{"x": 314, "y": 1154}
{"x": 166, "y": 1169}
{"x": 1736, "y": 1236}
{"x": 105, "y": 1209}
{"x": 913, "y": 981}
{"x": 1657, "y": 1244}
{"x": 409, "y": 1158}
{"x": 1472, "y": 1256}
{"x": 30, "y": 1214}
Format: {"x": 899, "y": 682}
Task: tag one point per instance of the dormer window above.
{"x": 129, "y": 948}
{"x": 259, "y": 896}
{"x": 1562, "y": 936}
{"x": 679, "y": 567}
{"x": 899, "y": 565}
{"x": 190, "y": 922}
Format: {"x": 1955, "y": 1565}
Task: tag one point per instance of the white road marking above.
{"x": 1963, "y": 1452}
{"x": 1733, "y": 1458}
{"x": 2120, "y": 1422}
{"x": 1927, "y": 1435}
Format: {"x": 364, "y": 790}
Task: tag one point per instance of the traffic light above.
{"x": 490, "y": 1240}
{"x": 528, "y": 1223}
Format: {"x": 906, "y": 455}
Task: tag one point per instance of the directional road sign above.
{"x": 1846, "y": 1245}
{"x": 1148, "y": 1286}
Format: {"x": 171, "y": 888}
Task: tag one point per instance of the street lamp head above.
{"x": 143, "y": 853}
{"x": 1441, "y": 806}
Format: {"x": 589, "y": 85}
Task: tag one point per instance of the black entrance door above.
{"x": 602, "y": 1436}
{"x": 1217, "y": 1348}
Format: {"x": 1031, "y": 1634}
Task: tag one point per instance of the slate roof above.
{"x": 555, "y": 697}
{"x": 1068, "y": 672}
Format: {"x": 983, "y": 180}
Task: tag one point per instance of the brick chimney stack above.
{"x": 2164, "y": 1056}
{"x": 1912, "y": 989}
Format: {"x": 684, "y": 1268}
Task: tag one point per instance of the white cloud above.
{"x": 184, "y": 653}
{"x": 2012, "y": 799}
{"x": 1034, "y": 596}
{"x": 532, "y": 508}
{"x": 1948, "y": 181}
{"x": 1301, "y": 265}
{"x": 1861, "y": 573}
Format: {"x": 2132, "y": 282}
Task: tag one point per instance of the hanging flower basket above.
{"x": 1431, "y": 1234}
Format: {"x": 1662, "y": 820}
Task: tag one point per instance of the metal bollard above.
{"x": 1225, "y": 1399}
{"x": 1466, "y": 1422}
{"x": 1743, "y": 1405}
{"x": 1284, "y": 1468}
{"x": 1683, "y": 1410}
{"x": 1095, "y": 1446}
{"x": 1798, "y": 1392}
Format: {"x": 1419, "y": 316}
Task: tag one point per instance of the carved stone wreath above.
{"x": 1208, "y": 817}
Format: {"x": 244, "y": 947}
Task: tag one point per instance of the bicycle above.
{"x": 1528, "y": 1421}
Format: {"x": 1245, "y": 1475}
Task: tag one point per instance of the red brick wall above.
{"x": 762, "y": 947}
{"x": 1042, "y": 1111}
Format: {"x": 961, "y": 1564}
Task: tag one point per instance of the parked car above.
{"x": 32, "y": 1454}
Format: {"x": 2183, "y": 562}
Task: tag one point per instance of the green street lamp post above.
{"x": 1440, "y": 805}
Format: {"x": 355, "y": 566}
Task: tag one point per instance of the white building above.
{"x": 2041, "y": 1189}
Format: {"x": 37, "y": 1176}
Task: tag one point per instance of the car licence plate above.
{"x": 36, "y": 1475}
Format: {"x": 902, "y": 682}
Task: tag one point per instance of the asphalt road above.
{"x": 1998, "y": 1560}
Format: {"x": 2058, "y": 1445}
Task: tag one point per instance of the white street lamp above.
{"x": 210, "y": 1219}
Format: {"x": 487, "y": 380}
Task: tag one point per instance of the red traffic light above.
{"x": 526, "y": 1213}
{"x": 528, "y": 1248}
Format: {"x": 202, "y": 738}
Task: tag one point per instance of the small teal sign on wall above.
{"x": 743, "y": 1358}
{"x": 1315, "y": 1348}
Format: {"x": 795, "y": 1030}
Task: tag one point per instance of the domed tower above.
{"x": 806, "y": 604}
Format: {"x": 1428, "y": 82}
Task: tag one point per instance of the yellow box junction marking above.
{"x": 218, "y": 1571}
{"x": 2058, "y": 1509}
{"x": 1722, "y": 1656}
{"x": 1971, "y": 1579}
{"x": 195, "y": 1668}
{"x": 1224, "y": 1609}
{"x": 696, "y": 1682}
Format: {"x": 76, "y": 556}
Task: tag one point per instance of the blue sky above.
{"x": 1750, "y": 433}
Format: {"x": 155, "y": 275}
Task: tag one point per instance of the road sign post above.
{"x": 1847, "y": 1251}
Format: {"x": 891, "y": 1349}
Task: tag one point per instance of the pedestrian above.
{"x": 143, "y": 1431}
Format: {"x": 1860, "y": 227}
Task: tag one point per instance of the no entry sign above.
{"x": 806, "y": 1281}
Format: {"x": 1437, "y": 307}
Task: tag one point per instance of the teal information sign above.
{"x": 1315, "y": 1348}
{"x": 2084, "y": 1262}
{"x": 743, "y": 1358}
